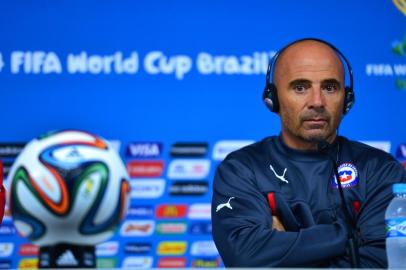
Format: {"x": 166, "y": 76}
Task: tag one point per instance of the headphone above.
{"x": 270, "y": 95}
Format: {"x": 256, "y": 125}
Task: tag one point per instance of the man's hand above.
{"x": 277, "y": 224}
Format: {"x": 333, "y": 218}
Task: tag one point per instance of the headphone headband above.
{"x": 270, "y": 96}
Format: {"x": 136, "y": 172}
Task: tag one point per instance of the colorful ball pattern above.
{"x": 68, "y": 187}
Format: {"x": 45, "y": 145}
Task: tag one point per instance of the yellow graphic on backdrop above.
{"x": 401, "y": 5}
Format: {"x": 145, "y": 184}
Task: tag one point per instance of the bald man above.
{"x": 276, "y": 202}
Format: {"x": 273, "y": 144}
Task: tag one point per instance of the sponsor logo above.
{"x": 172, "y": 248}
{"x": 28, "y": 250}
{"x": 5, "y": 264}
{"x": 206, "y": 262}
{"x": 142, "y": 211}
{"x": 281, "y": 176}
{"x": 203, "y": 248}
{"x": 137, "y": 262}
{"x": 189, "y": 188}
{"x": 6, "y": 249}
{"x": 144, "y": 150}
{"x": 7, "y": 229}
{"x": 189, "y": 169}
{"x": 137, "y": 248}
{"x": 137, "y": 228}
{"x": 28, "y": 263}
{"x": 171, "y": 211}
{"x": 106, "y": 263}
{"x": 223, "y": 148}
{"x": 67, "y": 259}
{"x": 189, "y": 149}
{"x": 200, "y": 228}
{"x": 10, "y": 150}
{"x": 382, "y": 145}
{"x": 391, "y": 69}
{"x": 107, "y": 248}
{"x": 145, "y": 168}
{"x": 147, "y": 188}
{"x": 401, "y": 151}
{"x": 226, "y": 204}
{"x": 171, "y": 227}
{"x": 200, "y": 211}
{"x": 348, "y": 175}
{"x": 172, "y": 262}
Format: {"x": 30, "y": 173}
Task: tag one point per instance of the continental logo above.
{"x": 172, "y": 248}
{"x": 28, "y": 263}
{"x": 206, "y": 262}
{"x": 171, "y": 211}
{"x": 189, "y": 188}
{"x": 189, "y": 149}
{"x": 400, "y": 5}
{"x": 171, "y": 228}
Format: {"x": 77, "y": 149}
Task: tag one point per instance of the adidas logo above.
{"x": 66, "y": 258}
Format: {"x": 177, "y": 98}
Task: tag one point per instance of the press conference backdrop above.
{"x": 176, "y": 85}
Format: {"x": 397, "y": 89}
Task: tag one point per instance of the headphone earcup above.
{"x": 349, "y": 99}
{"x": 270, "y": 97}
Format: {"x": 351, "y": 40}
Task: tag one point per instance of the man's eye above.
{"x": 299, "y": 87}
{"x": 331, "y": 87}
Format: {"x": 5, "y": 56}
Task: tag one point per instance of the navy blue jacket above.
{"x": 306, "y": 199}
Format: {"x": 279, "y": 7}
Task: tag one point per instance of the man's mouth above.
{"x": 315, "y": 122}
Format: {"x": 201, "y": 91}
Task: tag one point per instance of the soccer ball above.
{"x": 68, "y": 187}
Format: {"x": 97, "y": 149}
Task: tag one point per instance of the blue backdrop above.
{"x": 180, "y": 71}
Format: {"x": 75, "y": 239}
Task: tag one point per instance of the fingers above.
{"x": 277, "y": 224}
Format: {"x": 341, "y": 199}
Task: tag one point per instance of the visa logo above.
{"x": 144, "y": 150}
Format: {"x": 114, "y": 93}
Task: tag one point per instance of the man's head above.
{"x": 309, "y": 77}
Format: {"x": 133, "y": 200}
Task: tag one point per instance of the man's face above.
{"x": 310, "y": 82}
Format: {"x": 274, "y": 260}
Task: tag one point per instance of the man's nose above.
{"x": 316, "y": 99}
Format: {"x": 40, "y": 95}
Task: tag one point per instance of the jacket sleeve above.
{"x": 371, "y": 218}
{"x": 242, "y": 230}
